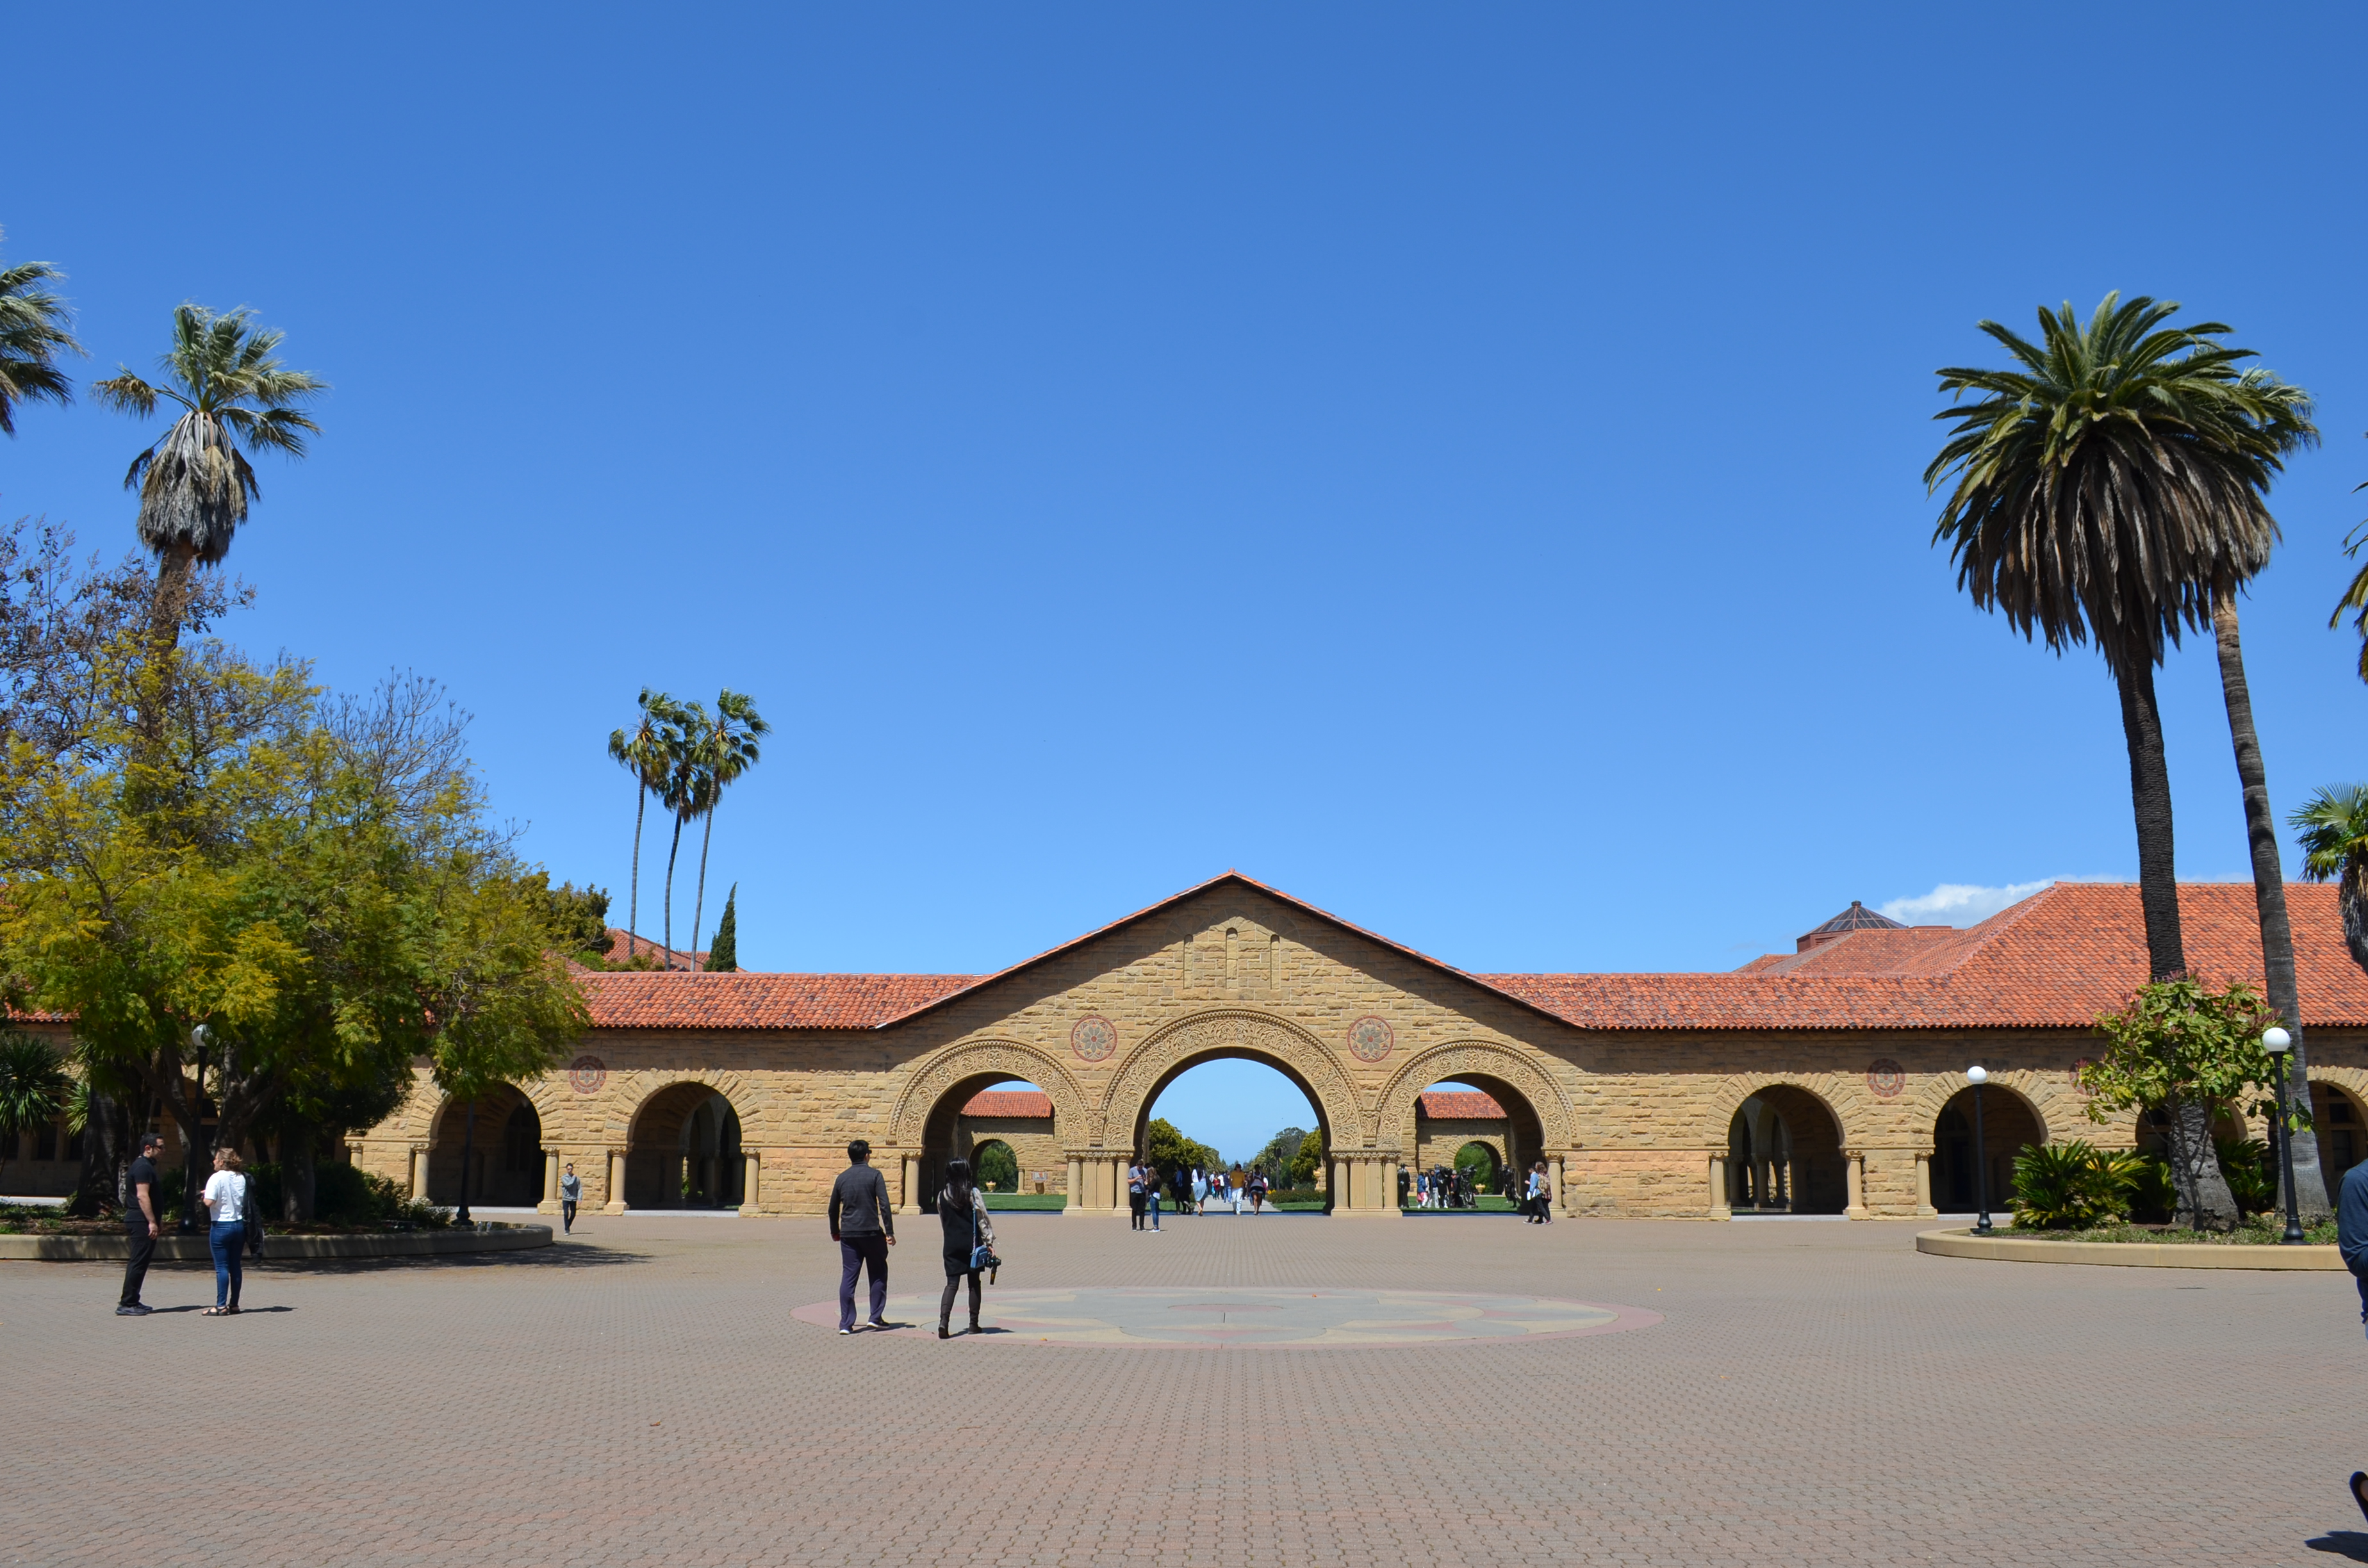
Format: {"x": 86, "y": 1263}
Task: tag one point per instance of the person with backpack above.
{"x": 970, "y": 1242}
{"x": 227, "y": 1199}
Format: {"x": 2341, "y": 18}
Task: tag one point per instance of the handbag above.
{"x": 981, "y": 1254}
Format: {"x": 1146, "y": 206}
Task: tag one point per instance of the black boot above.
{"x": 942, "y": 1330}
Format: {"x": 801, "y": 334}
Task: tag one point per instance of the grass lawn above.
{"x": 1488, "y": 1204}
{"x": 1039, "y": 1201}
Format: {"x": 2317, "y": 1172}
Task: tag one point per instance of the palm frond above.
{"x": 33, "y": 333}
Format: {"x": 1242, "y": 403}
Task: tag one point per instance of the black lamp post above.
{"x": 2277, "y": 1042}
{"x": 1977, "y": 1076}
{"x": 193, "y": 1179}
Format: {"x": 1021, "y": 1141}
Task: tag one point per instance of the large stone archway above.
{"x": 1541, "y": 1124}
{"x": 923, "y": 1122}
{"x": 1359, "y": 1181}
{"x": 1789, "y": 1142}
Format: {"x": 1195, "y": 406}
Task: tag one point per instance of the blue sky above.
{"x": 1460, "y": 467}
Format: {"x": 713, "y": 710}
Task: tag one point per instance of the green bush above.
{"x": 2153, "y": 1197}
{"x": 347, "y": 1195}
{"x": 2071, "y": 1186}
{"x": 2252, "y": 1176}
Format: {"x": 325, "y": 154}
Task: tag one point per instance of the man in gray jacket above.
{"x": 864, "y": 1223}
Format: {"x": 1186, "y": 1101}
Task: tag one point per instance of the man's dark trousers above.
{"x": 854, "y": 1253}
{"x": 136, "y": 1272}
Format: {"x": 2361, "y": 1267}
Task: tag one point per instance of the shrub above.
{"x": 2071, "y": 1186}
{"x": 2153, "y": 1197}
{"x": 2253, "y": 1176}
{"x": 347, "y": 1195}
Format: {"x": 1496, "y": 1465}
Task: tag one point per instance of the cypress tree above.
{"x": 724, "y": 956}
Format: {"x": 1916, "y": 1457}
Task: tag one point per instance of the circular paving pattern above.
{"x": 1215, "y": 1319}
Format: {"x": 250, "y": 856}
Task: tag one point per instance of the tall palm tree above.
{"x": 2332, "y": 829}
{"x": 32, "y": 335}
{"x": 195, "y": 484}
{"x": 729, "y": 747}
{"x": 2356, "y": 596}
{"x": 641, "y": 752}
{"x": 2086, "y": 507}
{"x": 687, "y": 790}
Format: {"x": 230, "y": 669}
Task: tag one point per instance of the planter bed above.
{"x": 110, "y": 1244}
{"x": 2133, "y": 1247}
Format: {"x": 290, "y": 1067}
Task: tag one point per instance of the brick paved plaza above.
{"x": 1815, "y": 1392}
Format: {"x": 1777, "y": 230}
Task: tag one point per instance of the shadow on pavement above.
{"x": 563, "y": 1256}
{"x": 2343, "y": 1543}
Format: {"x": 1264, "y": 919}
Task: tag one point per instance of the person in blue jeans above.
{"x": 2351, "y": 1240}
{"x": 227, "y": 1199}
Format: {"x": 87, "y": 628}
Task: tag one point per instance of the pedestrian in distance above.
{"x": 1258, "y": 1191}
{"x": 970, "y": 1242}
{"x": 864, "y": 1223}
{"x": 1151, "y": 1194}
{"x": 1183, "y": 1190}
{"x": 571, "y": 1193}
{"x": 226, "y": 1200}
{"x": 140, "y": 1228}
{"x": 1200, "y": 1191}
{"x": 1134, "y": 1194}
{"x": 1236, "y": 1189}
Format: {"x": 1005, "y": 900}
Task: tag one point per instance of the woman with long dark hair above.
{"x": 962, "y": 1209}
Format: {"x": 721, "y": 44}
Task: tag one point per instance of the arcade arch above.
{"x": 1784, "y": 1154}
{"x": 503, "y": 1148}
{"x": 1266, "y": 1084}
{"x": 2339, "y": 1119}
{"x": 928, "y": 1115}
{"x": 2009, "y": 1124}
{"x": 684, "y": 1151}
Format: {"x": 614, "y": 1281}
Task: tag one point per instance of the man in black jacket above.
{"x": 140, "y": 1226}
{"x": 864, "y": 1223}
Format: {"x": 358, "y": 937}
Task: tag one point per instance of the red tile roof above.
{"x": 1009, "y": 1103}
{"x": 617, "y": 941}
{"x": 1460, "y": 1105}
{"x": 2055, "y": 960}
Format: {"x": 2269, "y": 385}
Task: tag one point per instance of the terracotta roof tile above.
{"x": 745, "y": 1000}
{"x": 1460, "y": 1105}
{"x": 1009, "y": 1103}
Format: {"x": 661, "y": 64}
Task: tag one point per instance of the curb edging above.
{"x": 2127, "y": 1254}
{"x": 489, "y": 1236}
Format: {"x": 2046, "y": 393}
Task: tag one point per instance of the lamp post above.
{"x": 2277, "y": 1042}
{"x": 192, "y": 1178}
{"x": 1977, "y": 1076}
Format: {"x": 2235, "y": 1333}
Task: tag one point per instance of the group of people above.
{"x": 234, "y": 1225}
{"x": 1531, "y": 1192}
{"x": 1441, "y": 1187}
{"x": 1194, "y": 1190}
{"x": 864, "y": 1223}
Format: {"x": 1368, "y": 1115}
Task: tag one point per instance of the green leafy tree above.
{"x": 34, "y": 1089}
{"x": 1279, "y": 1150}
{"x": 33, "y": 334}
{"x": 2106, "y": 490}
{"x": 1479, "y": 1161}
{"x": 578, "y": 917}
{"x": 643, "y": 752}
{"x": 997, "y": 1167}
{"x": 727, "y": 750}
{"x": 195, "y": 484}
{"x": 1307, "y": 1159}
{"x": 1164, "y": 1149}
{"x": 725, "y": 957}
{"x": 2189, "y": 1050}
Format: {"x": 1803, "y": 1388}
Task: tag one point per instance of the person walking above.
{"x": 1134, "y": 1194}
{"x": 1183, "y": 1190}
{"x": 226, "y": 1200}
{"x": 140, "y": 1228}
{"x": 1258, "y": 1191}
{"x": 571, "y": 1193}
{"x": 1200, "y": 1191}
{"x": 1236, "y": 1189}
{"x": 1151, "y": 1194}
{"x": 864, "y": 1223}
{"x": 961, "y": 1210}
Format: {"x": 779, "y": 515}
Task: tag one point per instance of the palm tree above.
{"x": 687, "y": 790}
{"x": 641, "y": 752}
{"x": 2331, "y": 829}
{"x": 728, "y": 750}
{"x": 2356, "y": 595}
{"x": 32, "y": 335}
{"x": 195, "y": 482}
{"x": 2090, "y": 504}
{"x": 34, "y": 1089}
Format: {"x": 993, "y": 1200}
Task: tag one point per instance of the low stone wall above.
{"x": 487, "y": 1236}
{"x": 2127, "y": 1254}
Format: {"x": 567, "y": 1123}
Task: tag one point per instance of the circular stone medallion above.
{"x": 1370, "y": 1038}
{"x": 586, "y": 1074}
{"x": 1886, "y": 1078}
{"x": 1093, "y": 1039}
{"x": 1200, "y": 1318}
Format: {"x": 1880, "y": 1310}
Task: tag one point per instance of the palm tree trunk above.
{"x": 634, "y": 899}
{"x": 173, "y": 570}
{"x": 2150, "y": 802}
{"x": 2269, "y": 895}
{"x": 669, "y": 891}
{"x": 698, "y": 906}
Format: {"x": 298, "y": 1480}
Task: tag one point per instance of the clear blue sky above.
{"x": 1460, "y": 466}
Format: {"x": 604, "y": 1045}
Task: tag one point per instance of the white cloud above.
{"x": 1960, "y": 904}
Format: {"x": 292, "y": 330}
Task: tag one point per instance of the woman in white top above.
{"x": 225, "y": 1198}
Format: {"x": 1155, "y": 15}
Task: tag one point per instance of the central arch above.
{"x": 1232, "y": 1033}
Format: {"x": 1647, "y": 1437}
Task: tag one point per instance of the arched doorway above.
{"x": 994, "y": 1166}
{"x": 684, "y": 1151}
{"x": 504, "y": 1151}
{"x": 1475, "y": 1111}
{"x": 1784, "y": 1154}
{"x": 2009, "y": 1126}
{"x": 986, "y": 1111}
{"x": 1254, "y": 1112}
{"x": 2341, "y": 1126}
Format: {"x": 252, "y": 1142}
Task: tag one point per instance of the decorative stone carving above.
{"x": 1233, "y": 1031}
{"x": 1474, "y": 1059}
{"x": 1093, "y": 1037}
{"x": 1370, "y": 1038}
{"x": 975, "y": 1059}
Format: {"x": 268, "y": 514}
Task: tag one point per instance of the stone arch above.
{"x": 424, "y": 1111}
{"x": 1965, "y": 1172}
{"x": 981, "y": 1058}
{"x": 2046, "y": 1108}
{"x": 1844, "y": 1097}
{"x": 500, "y": 1174}
{"x": 681, "y": 1150}
{"x": 1234, "y": 1031}
{"x": 2339, "y": 1104}
{"x": 1491, "y": 1066}
{"x": 1786, "y": 1145}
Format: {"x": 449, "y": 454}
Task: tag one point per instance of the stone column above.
{"x": 1924, "y": 1209}
{"x": 1720, "y": 1209}
{"x": 909, "y": 1191}
{"x": 420, "y": 1170}
{"x": 1554, "y": 1204}
{"x": 1854, "y": 1168}
{"x": 616, "y": 1204}
{"x": 1390, "y": 1189}
{"x": 1077, "y": 1204}
{"x": 550, "y": 1204}
{"x": 748, "y": 1164}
